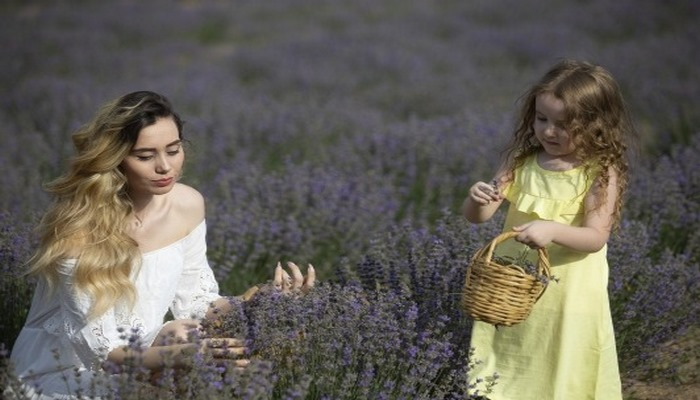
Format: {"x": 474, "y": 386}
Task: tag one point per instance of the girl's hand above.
{"x": 536, "y": 234}
{"x": 484, "y": 193}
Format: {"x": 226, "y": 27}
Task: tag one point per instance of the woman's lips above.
{"x": 163, "y": 182}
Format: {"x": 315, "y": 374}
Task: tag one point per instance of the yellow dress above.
{"x": 565, "y": 350}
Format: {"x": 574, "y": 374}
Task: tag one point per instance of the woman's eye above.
{"x": 174, "y": 152}
{"x": 143, "y": 158}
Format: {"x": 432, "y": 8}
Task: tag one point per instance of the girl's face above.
{"x": 548, "y": 126}
{"x": 155, "y": 162}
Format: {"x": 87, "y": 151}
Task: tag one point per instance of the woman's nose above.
{"x": 162, "y": 164}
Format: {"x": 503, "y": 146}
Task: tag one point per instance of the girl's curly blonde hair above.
{"x": 87, "y": 219}
{"x": 596, "y": 118}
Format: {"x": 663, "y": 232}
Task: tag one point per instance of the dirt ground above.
{"x": 662, "y": 390}
{"x": 684, "y": 383}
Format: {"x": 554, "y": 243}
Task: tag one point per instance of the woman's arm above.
{"x": 178, "y": 355}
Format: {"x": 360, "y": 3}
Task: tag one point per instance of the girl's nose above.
{"x": 550, "y": 130}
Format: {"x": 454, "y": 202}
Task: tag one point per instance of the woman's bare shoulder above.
{"x": 188, "y": 204}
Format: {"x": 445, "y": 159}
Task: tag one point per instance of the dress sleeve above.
{"x": 91, "y": 339}
{"x": 197, "y": 287}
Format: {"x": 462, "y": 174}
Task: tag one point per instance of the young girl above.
{"x": 123, "y": 242}
{"x": 564, "y": 176}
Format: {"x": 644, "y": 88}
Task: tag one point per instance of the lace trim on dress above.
{"x": 92, "y": 356}
{"x": 124, "y": 318}
{"x": 103, "y": 347}
{"x": 93, "y": 353}
{"x": 207, "y": 294}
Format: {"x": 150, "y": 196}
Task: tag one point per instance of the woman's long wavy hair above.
{"x": 596, "y": 118}
{"x": 88, "y": 216}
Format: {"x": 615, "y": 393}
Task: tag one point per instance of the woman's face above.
{"x": 155, "y": 162}
{"x": 548, "y": 126}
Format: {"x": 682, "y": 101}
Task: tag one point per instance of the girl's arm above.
{"x": 593, "y": 233}
{"x": 484, "y": 199}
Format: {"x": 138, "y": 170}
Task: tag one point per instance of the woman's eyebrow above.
{"x": 153, "y": 149}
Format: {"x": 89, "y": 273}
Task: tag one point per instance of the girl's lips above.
{"x": 163, "y": 182}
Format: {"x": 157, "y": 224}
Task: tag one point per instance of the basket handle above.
{"x": 497, "y": 240}
{"x": 487, "y": 252}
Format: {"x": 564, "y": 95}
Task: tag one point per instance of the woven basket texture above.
{"x": 502, "y": 295}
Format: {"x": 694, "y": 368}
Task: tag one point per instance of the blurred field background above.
{"x": 330, "y": 131}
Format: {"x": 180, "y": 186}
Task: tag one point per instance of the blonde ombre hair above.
{"x": 87, "y": 219}
{"x": 596, "y": 117}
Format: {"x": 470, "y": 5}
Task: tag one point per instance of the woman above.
{"x": 123, "y": 243}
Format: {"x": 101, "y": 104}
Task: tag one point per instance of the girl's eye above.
{"x": 143, "y": 158}
{"x": 174, "y": 152}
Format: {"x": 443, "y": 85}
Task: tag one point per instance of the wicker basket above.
{"x": 502, "y": 294}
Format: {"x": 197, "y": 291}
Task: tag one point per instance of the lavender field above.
{"x": 346, "y": 134}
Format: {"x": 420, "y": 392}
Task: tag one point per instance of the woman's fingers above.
{"x": 224, "y": 347}
{"x": 240, "y": 364}
{"x": 223, "y": 343}
{"x": 310, "y": 278}
{"x": 295, "y": 282}
{"x": 279, "y": 272}
{"x": 252, "y": 291}
{"x": 286, "y": 282}
{"x": 297, "y": 276}
{"x": 233, "y": 365}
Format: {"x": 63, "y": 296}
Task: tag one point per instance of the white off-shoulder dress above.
{"x": 57, "y": 339}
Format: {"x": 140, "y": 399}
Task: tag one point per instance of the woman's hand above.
{"x": 225, "y": 351}
{"x": 296, "y": 282}
{"x": 284, "y": 282}
{"x": 224, "y": 348}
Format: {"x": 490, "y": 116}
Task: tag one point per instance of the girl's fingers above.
{"x": 484, "y": 193}
{"x": 479, "y": 198}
